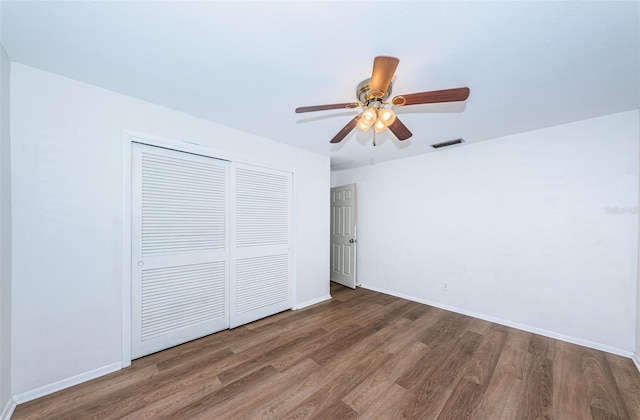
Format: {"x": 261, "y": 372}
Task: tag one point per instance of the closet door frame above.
{"x": 130, "y": 137}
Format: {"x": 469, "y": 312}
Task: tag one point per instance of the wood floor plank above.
{"x": 364, "y": 296}
{"x": 463, "y": 401}
{"x": 318, "y": 401}
{"x": 541, "y": 346}
{"x": 628, "y": 380}
{"x": 493, "y": 404}
{"x": 344, "y": 341}
{"x": 499, "y": 328}
{"x": 428, "y": 403}
{"x": 479, "y": 326}
{"x": 432, "y": 359}
{"x": 388, "y": 313}
{"x": 484, "y": 360}
{"x": 537, "y": 393}
{"x": 413, "y": 331}
{"x": 275, "y": 331}
{"x": 292, "y": 356}
{"x": 512, "y": 401}
{"x": 517, "y": 338}
{"x": 247, "y": 405}
{"x": 600, "y": 414}
{"x": 167, "y": 406}
{"x": 389, "y": 405}
{"x": 231, "y": 368}
{"x": 569, "y": 394}
{"x": 185, "y": 353}
{"x": 289, "y": 358}
{"x": 447, "y": 363}
{"x": 332, "y": 371}
{"x": 337, "y": 410}
{"x": 513, "y": 360}
{"x": 267, "y": 356}
{"x": 298, "y": 392}
{"x": 417, "y": 310}
{"x": 348, "y": 314}
{"x": 361, "y": 354}
{"x": 601, "y": 387}
{"x": 376, "y": 385}
{"x": 225, "y": 394}
{"x": 177, "y": 357}
{"x": 253, "y": 405}
{"x": 450, "y": 326}
{"x": 382, "y": 299}
{"x": 434, "y": 386}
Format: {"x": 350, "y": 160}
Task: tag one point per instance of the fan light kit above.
{"x": 380, "y": 119}
{"x": 372, "y": 94}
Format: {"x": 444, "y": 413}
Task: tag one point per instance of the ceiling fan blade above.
{"x": 345, "y": 130}
{"x": 400, "y": 130}
{"x": 383, "y": 69}
{"x": 326, "y": 107}
{"x": 432, "y": 97}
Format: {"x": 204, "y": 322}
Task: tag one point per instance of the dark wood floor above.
{"x": 361, "y": 355}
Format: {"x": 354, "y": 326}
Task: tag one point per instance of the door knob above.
{"x": 351, "y": 241}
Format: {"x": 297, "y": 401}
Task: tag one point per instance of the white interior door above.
{"x": 343, "y": 235}
{"x": 260, "y": 243}
{"x": 180, "y": 263}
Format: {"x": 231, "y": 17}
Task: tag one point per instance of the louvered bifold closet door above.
{"x": 179, "y": 248}
{"x": 260, "y": 243}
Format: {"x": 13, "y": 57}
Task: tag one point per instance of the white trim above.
{"x": 65, "y": 383}
{"x": 546, "y": 333}
{"x": 126, "y": 249}
{"x": 313, "y": 302}
{"x": 8, "y": 410}
{"x": 293, "y": 241}
{"x": 636, "y": 361}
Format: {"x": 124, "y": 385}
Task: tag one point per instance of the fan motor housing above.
{"x": 363, "y": 92}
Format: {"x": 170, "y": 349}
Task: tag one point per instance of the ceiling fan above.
{"x": 372, "y": 94}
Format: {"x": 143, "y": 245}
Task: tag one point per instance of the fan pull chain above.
{"x": 374, "y": 139}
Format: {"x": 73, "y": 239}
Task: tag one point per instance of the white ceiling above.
{"x": 248, "y": 65}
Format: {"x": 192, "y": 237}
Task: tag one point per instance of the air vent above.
{"x": 447, "y": 143}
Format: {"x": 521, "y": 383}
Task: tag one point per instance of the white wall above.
{"x": 5, "y": 234}
{"x": 67, "y": 197}
{"x": 333, "y": 179}
{"x": 538, "y": 229}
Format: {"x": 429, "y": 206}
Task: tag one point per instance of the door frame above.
{"x": 129, "y": 137}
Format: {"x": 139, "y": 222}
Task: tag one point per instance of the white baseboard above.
{"x": 8, "y": 410}
{"x": 65, "y": 383}
{"x": 539, "y": 331}
{"x": 313, "y": 301}
{"x": 636, "y": 361}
